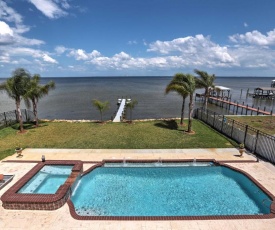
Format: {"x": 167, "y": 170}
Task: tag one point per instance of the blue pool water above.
{"x": 47, "y": 180}
{"x": 167, "y": 191}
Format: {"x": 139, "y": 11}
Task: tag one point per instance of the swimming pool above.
{"x": 47, "y": 180}
{"x": 161, "y": 191}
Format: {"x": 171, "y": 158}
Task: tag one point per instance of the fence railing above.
{"x": 256, "y": 141}
{"x": 11, "y": 117}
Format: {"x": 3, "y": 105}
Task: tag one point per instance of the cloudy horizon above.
{"x": 59, "y": 38}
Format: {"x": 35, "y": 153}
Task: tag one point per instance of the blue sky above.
{"x": 59, "y": 38}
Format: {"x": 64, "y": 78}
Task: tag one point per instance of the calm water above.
{"x": 47, "y": 180}
{"x": 72, "y": 97}
{"x": 167, "y": 191}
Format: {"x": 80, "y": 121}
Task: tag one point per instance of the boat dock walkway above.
{"x": 122, "y": 103}
{"x": 237, "y": 106}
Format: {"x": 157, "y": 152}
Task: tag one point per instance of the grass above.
{"x": 141, "y": 135}
{"x": 264, "y": 123}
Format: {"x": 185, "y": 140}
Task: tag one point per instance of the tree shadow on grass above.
{"x": 29, "y": 125}
{"x": 168, "y": 124}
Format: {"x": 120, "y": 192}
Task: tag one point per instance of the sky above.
{"x": 64, "y": 38}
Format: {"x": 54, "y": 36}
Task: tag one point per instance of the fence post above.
{"x": 26, "y": 114}
{"x": 207, "y": 116}
{"x": 232, "y": 128}
{"x": 257, "y": 135}
{"x": 245, "y": 133}
{"x": 214, "y": 119}
{"x": 222, "y": 122}
{"x": 6, "y": 122}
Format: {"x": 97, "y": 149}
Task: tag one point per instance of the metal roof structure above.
{"x": 221, "y": 88}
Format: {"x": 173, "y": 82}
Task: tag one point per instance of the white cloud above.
{"x": 64, "y": 4}
{"x": 60, "y": 49}
{"x": 14, "y": 47}
{"x": 255, "y": 38}
{"x": 5, "y": 29}
{"x": 51, "y": 9}
{"x": 132, "y": 42}
{"x": 245, "y": 24}
{"x": 47, "y": 58}
{"x": 4, "y": 57}
{"x": 198, "y": 49}
{"x": 80, "y": 54}
{"x": 11, "y": 16}
{"x": 182, "y": 53}
{"x": 6, "y": 34}
{"x": 9, "y": 37}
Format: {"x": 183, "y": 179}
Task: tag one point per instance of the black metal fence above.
{"x": 256, "y": 141}
{"x": 11, "y": 117}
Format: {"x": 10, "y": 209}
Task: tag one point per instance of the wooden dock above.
{"x": 236, "y": 107}
{"x": 122, "y": 103}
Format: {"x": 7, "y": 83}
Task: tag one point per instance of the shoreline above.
{"x": 106, "y": 121}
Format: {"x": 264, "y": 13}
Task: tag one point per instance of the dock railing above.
{"x": 11, "y": 117}
{"x": 259, "y": 143}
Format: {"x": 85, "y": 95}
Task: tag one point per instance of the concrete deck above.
{"x": 99, "y": 154}
{"x": 61, "y": 218}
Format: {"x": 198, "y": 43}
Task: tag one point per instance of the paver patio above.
{"x": 61, "y": 218}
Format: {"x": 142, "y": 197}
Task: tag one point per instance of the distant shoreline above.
{"x": 102, "y": 77}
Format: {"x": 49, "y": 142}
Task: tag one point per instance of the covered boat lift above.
{"x": 264, "y": 92}
{"x": 220, "y": 91}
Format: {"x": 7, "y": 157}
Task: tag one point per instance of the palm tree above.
{"x": 101, "y": 106}
{"x": 205, "y": 81}
{"x": 35, "y": 92}
{"x": 173, "y": 86}
{"x": 188, "y": 82}
{"x": 190, "y": 86}
{"x": 16, "y": 87}
{"x": 131, "y": 105}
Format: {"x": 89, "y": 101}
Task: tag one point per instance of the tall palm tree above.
{"x": 205, "y": 81}
{"x": 190, "y": 86}
{"x": 173, "y": 86}
{"x": 188, "y": 82}
{"x": 131, "y": 105}
{"x": 35, "y": 92}
{"x": 101, "y": 106}
{"x": 16, "y": 87}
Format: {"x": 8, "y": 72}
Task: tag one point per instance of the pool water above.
{"x": 168, "y": 191}
{"x": 47, "y": 180}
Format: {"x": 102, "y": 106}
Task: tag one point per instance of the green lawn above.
{"x": 264, "y": 123}
{"x": 141, "y": 135}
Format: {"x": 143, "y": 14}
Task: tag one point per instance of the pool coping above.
{"x": 13, "y": 200}
{"x": 154, "y": 218}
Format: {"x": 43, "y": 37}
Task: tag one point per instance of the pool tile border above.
{"x": 165, "y": 218}
{"x": 13, "y": 200}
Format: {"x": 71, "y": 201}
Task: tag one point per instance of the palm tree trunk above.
{"x": 19, "y": 115}
{"x": 182, "y": 111}
{"x": 101, "y": 117}
{"x": 34, "y": 106}
{"x": 190, "y": 114}
{"x": 206, "y": 98}
{"x": 131, "y": 115}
